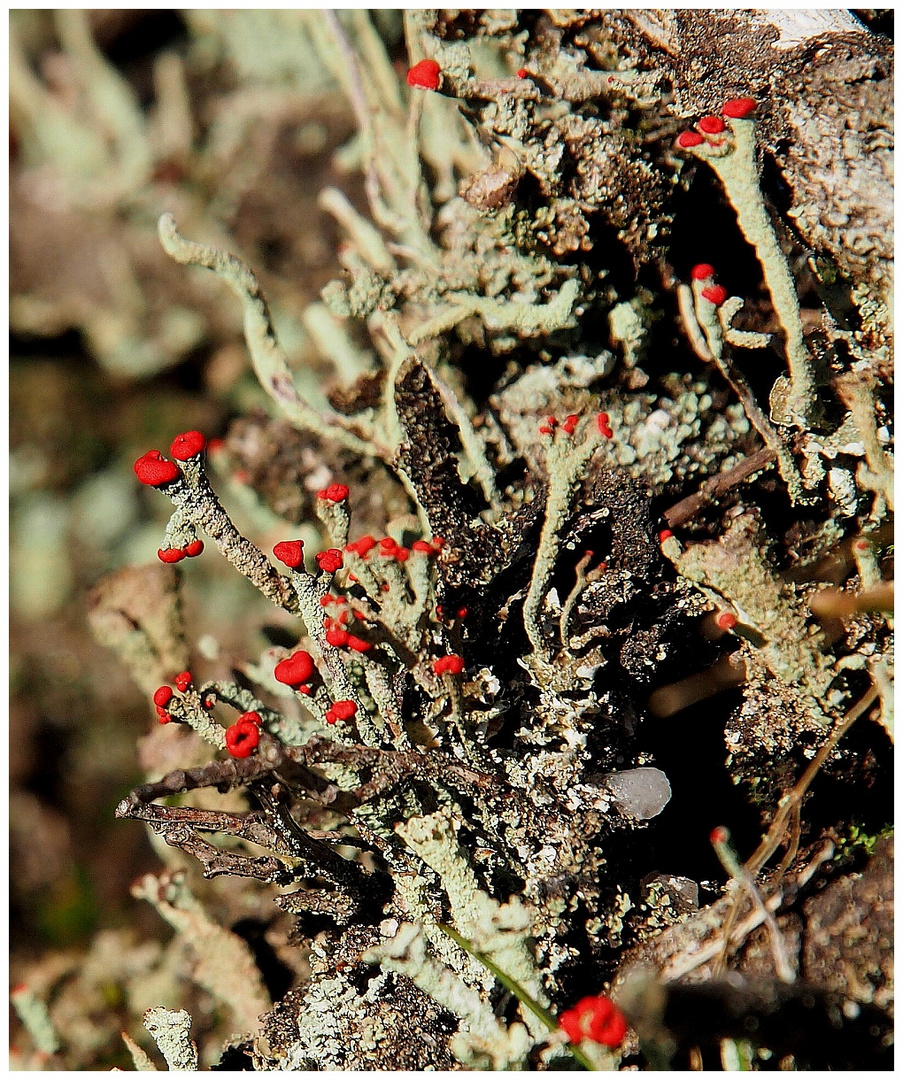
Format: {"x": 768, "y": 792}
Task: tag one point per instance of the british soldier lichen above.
{"x": 523, "y": 507}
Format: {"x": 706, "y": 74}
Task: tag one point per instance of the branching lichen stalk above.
{"x": 269, "y": 360}
{"x": 737, "y": 170}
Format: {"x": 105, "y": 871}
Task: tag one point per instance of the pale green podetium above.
{"x": 566, "y": 462}
{"x": 734, "y": 161}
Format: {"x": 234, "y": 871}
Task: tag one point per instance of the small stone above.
{"x": 642, "y": 793}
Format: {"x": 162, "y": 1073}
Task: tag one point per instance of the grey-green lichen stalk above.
{"x": 733, "y": 159}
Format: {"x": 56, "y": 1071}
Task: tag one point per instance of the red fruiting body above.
{"x": 544, "y": 429}
{"x": 570, "y": 423}
{"x": 461, "y": 613}
{"x": 290, "y": 552}
{"x": 250, "y": 718}
{"x": 425, "y": 75}
{"x": 329, "y": 561}
{"x": 183, "y": 681}
{"x": 423, "y": 546}
{"x": 334, "y": 493}
{"x": 603, "y": 426}
{"x": 718, "y": 835}
{"x": 688, "y": 139}
{"x": 726, "y": 620}
{"x": 522, "y": 73}
{"x": 242, "y": 738}
{"x": 702, "y": 271}
{"x": 295, "y": 669}
{"x": 595, "y": 1018}
{"x": 163, "y": 716}
{"x": 187, "y": 445}
{"x": 438, "y": 542}
{"x": 451, "y": 664}
{"x": 162, "y": 696}
{"x": 361, "y": 547}
{"x": 715, "y": 294}
{"x": 390, "y": 549}
{"x": 738, "y": 108}
{"x": 154, "y": 470}
{"x": 664, "y": 535}
{"x": 194, "y": 548}
{"x": 340, "y": 710}
{"x": 170, "y": 555}
{"x": 862, "y": 545}
{"x": 358, "y": 644}
{"x": 337, "y": 637}
{"x": 711, "y": 125}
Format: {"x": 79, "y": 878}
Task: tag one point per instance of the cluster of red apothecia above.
{"x": 298, "y": 670}
{"x": 710, "y": 129}
{"x": 242, "y": 737}
{"x": 174, "y": 555}
{"x": 704, "y": 273}
{"x": 388, "y": 548}
{"x": 595, "y": 1018}
{"x": 569, "y": 425}
{"x": 154, "y": 470}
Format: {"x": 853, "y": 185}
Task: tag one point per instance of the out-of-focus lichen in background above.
{"x": 530, "y": 240}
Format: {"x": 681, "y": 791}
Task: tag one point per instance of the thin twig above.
{"x": 719, "y": 485}
{"x": 794, "y": 798}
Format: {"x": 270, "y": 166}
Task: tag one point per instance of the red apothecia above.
{"x": 295, "y": 669}
{"x": 425, "y": 75}
{"x": 155, "y": 470}
{"x": 602, "y": 423}
{"x": 243, "y": 737}
{"x": 711, "y": 125}
{"x": 329, "y": 561}
{"x": 361, "y": 547}
{"x": 162, "y": 696}
{"x": 451, "y": 664}
{"x": 290, "y": 552}
{"x": 340, "y": 710}
{"x": 595, "y": 1018}
{"x": 334, "y": 493}
{"x": 187, "y": 445}
{"x": 738, "y": 108}
{"x": 715, "y": 294}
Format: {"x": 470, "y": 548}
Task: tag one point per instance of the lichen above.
{"x": 511, "y": 511}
